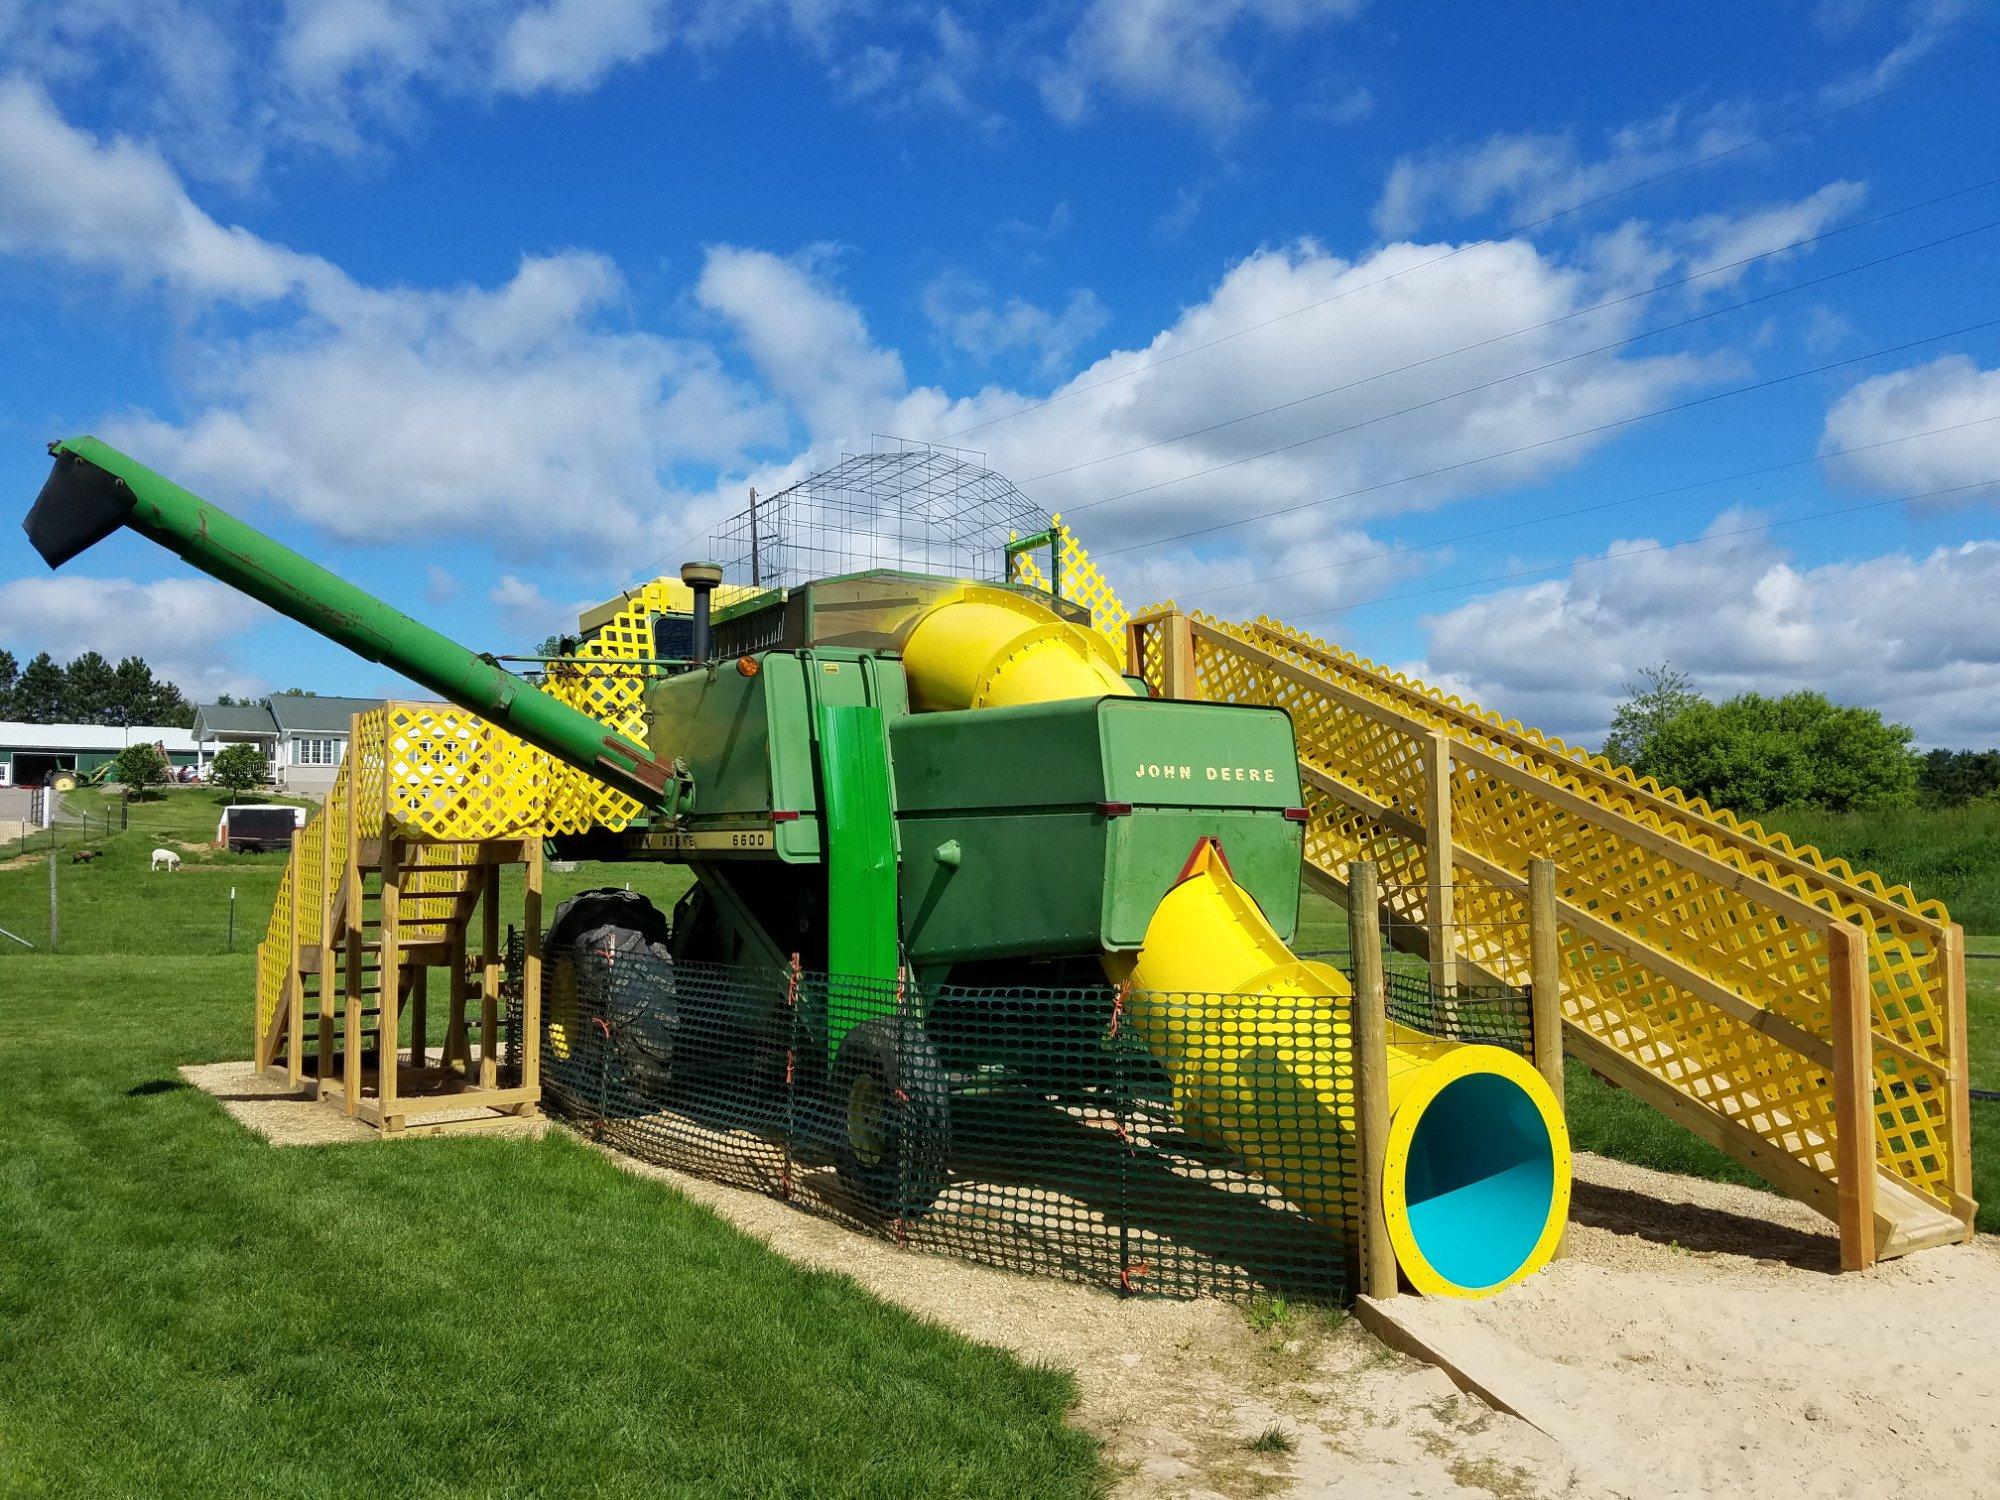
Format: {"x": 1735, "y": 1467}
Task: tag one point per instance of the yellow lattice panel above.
{"x": 452, "y": 775}
{"x": 609, "y": 683}
{"x": 1672, "y": 878}
{"x": 273, "y": 962}
{"x": 1082, "y": 583}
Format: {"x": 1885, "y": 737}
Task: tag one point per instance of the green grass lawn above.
{"x": 184, "y": 1310}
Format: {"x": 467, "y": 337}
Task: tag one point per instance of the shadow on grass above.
{"x": 157, "y": 1086}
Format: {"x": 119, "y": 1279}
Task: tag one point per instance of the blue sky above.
{"x": 491, "y": 304}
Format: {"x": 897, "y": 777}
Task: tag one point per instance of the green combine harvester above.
{"x": 938, "y": 792}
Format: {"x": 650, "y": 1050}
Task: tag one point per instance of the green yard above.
{"x": 184, "y": 1310}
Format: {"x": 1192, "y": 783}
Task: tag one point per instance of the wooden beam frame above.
{"x": 1371, "y": 1077}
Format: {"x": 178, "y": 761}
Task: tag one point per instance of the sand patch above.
{"x": 283, "y": 1116}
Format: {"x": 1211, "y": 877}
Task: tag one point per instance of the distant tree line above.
{"x": 90, "y": 690}
{"x": 1754, "y": 753}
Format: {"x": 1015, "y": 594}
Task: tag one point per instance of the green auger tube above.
{"x": 95, "y": 489}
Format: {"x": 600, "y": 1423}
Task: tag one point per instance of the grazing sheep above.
{"x": 166, "y": 859}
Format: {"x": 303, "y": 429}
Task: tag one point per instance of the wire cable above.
{"x": 1567, "y": 437}
{"x": 1518, "y": 228}
{"x": 1609, "y": 302}
{"x": 1651, "y": 547}
{"x": 1540, "y": 369}
{"x": 1584, "y": 510}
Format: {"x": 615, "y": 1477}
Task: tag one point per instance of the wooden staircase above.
{"x": 369, "y": 909}
{"x": 1788, "y": 1010}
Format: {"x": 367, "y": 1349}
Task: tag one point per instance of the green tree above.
{"x": 1659, "y": 697}
{"x": 1755, "y": 753}
{"x": 89, "y": 685}
{"x": 10, "y": 674}
{"x": 1952, "y": 778}
{"x": 237, "y": 768}
{"x": 40, "y": 697}
{"x": 139, "y": 697}
{"x": 138, "y": 767}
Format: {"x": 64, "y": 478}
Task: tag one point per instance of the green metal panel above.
{"x": 1017, "y": 840}
{"x": 862, "y": 938}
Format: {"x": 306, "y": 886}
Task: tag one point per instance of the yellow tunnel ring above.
{"x": 1476, "y": 1178}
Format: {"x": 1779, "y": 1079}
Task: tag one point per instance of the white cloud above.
{"x": 1927, "y": 24}
{"x": 379, "y": 414}
{"x": 527, "y": 614}
{"x": 568, "y": 45}
{"x": 1182, "y": 55}
{"x": 440, "y": 585}
{"x": 186, "y": 628}
{"x": 1529, "y": 174}
{"x": 1914, "y": 637}
{"x": 815, "y": 349}
{"x": 809, "y": 341}
{"x": 1768, "y": 231}
{"x": 118, "y": 206}
{"x": 1946, "y": 392}
{"x": 514, "y": 415}
{"x": 965, "y": 312}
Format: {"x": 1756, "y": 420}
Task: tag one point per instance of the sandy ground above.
{"x": 266, "y": 1106}
{"x": 1693, "y": 1340}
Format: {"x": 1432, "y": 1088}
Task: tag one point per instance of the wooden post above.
{"x": 489, "y": 978}
{"x": 456, "y": 1049}
{"x": 351, "y": 863}
{"x": 1545, "y": 972}
{"x": 531, "y": 984}
{"x": 388, "y": 1020}
{"x": 1545, "y": 981}
{"x": 1176, "y": 656}
{"x": 1853, "y": 1093}
{"x": 1438, "y": 904}
{"x": 325, "y": 931}
{"x": 420, "y": 1017}
{"x": 295, "y": 976}
{"x": 1958, "y": 1088}
{"x": 1371, "y": 1076}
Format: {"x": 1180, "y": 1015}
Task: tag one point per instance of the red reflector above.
{"x": 784, "y": 815}
{"x": 1114, "y": 809}
{"x": 1297, "y": 815}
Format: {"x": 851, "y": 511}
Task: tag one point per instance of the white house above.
{"x": 302, "y": 738}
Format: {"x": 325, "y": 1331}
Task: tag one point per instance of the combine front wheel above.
{"x": 894, "y": 1101}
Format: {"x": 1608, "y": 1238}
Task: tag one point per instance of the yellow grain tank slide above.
{"x": 1477, "y": 1170}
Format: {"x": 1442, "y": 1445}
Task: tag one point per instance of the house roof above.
{"x": 318, "y": 715}
{"x": 16, "y": 736}
{"x": 211, "y": 719}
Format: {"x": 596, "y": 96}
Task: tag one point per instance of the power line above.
{"x": 1584, "y": 510}
{"x": 1580, "y": 312}
{"x": 1518, "y": 228}
{"x": 1544, "y": 367}
{"x": 1567, "y": 437}
{"x": 1693, "y": 541}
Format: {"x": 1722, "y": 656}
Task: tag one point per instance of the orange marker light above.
{"x": 748, "y": 666}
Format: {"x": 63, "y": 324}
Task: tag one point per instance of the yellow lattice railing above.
{"x": 1081, "y": 582}
{"x": 1694, "y": 945}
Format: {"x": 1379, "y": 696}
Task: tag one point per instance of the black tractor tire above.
{"x": 891, "y": 1102}
{"x": 607, "y": 951}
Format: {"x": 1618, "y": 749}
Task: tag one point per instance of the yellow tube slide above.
{"x": 1477, "y": 1169}
{"x": 988, "y": 648}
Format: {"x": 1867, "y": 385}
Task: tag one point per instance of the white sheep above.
{"x": 166, "y": 859}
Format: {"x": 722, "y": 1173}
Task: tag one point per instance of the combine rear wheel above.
{"x": 893, "y": 1100}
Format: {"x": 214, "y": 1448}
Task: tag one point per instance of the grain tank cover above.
{"x": 1057, "y": 827}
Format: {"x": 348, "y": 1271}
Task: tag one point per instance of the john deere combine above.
{"x": 949, "y": 786}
